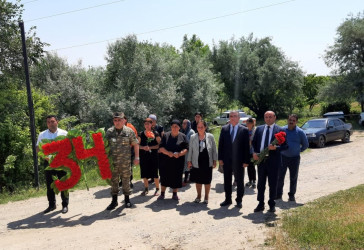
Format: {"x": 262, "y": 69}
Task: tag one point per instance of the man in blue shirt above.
{"x": 297, "y": 143}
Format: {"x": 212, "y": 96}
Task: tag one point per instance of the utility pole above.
{"x": 30, "y": 105}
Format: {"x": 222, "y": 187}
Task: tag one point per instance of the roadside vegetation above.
{"x": 332, "y": 222}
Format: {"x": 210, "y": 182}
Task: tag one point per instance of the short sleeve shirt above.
{"x": 46, "y": 134}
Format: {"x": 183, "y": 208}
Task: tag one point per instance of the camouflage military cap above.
{"x": 119, "y": 115}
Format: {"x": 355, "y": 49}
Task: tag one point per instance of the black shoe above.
{"x": 254, "y": 185}
{"x": 114, "y": 203}
{"x": 50, "y": 208}
{"x": 248, "y": 184}
{"x": 291, "y": 198}
{"x": 272, "y": 209}
{"x": 239, "y": 205}
{"x": 128, "y": 204}
{"x": 225, "y": 203}
{"x": 279, "y": 197}
{"x": 259, "y": 208}
{"x": 64, "y": 210}
{"x": 112, "y": 206}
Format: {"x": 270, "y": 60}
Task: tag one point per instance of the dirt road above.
{"x": 168, "y": 224}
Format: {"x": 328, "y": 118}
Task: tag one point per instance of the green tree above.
{"x": 71, "y": 87}
{"x": 11, "y": 57}
{"x": 16, "y": 162}
{"x": 195, "y": 45}
{"x": 197, "y": 86}
{"x": 310, "y": 88}
{"x": 257, "y": 73}
{"x": 347, "y": 58}
{"x": 16, "y": 165}
{"x": 139, "y": 80}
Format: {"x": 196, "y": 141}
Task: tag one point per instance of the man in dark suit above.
{"x": 233, "y": 154}
{"x": 269, "y": 168}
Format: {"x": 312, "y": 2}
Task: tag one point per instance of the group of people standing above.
{"x": 189, "y": 149}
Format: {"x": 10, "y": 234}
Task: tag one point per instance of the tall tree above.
{"x": 197, "y": 85}
{"x": 257, "y": 73}
{"x": 311, "y": 86}
{"x": 69, "y": 86}
{"x": 139, "y": 79}
{"x": 11, "y": 58}
{"x": 347, "y": 58}
{"x": 16, "y": 165}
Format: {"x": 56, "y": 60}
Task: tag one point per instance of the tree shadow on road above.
{"x": 268, "y": 218}
{"x": 191, "y": 207}
{"x": 223, "y": 212}
{"x": 166, "y": 204}
{"x": 55, "y": 219}
{"x": 285, "y": 205}
{"x": 219, "y": 188}
{"x": 105, "y": 193}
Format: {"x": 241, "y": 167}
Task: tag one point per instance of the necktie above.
{"x": 232, "y": 134}
{"x": 266, "y": 140}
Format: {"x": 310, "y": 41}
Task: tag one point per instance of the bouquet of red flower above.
{"x": 150, "y": 137}
{"x": 279, "y": 139}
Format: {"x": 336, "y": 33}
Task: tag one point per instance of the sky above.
{"x": 302, "y": 29}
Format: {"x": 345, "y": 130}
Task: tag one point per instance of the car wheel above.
{"x": 321, "y": 141}
{"x": 346, "y": 137}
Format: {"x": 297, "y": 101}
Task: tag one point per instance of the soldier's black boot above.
{"x": 114, "y": 203}
{"x": 127, "y": 202}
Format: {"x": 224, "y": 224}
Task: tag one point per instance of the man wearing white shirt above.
{"x": 268, "y": 169}
{"x": 51, "y": 133}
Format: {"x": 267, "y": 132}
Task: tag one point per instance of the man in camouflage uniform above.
{"x": 120, "y": 139}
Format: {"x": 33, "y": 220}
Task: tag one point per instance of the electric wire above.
{"x": 73, "y": 11}
{"x": 177, "y": 26}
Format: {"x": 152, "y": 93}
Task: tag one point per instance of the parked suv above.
{"x": 224, "y": 118}
{"x": 336, "y": 114}
{"x": 361, "y": 118}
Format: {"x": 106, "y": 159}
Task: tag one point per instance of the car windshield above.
{"x": 315, "y": 124}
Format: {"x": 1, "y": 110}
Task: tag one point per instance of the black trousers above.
{"x": 292, "y": 163}
{"x": 251, "y": 171}
{"x": 270, "y": 172}
{"x": 49, "y": 180}
{"x": 239, "y": 178}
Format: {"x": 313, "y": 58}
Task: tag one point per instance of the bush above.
{"x": 337, "y": 106}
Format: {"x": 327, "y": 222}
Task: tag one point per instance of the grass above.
{"x": 332, "y": 222}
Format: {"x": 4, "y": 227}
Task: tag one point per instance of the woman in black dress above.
{"x": 172, "y": 151}
{"x": 202, "y": 157}
{"x": 148, "y": 151}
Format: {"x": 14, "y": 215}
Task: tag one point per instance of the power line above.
{"x": 30, "y": 1}
{"x": 180, "y": 25}
{"x": 72, "y": 11}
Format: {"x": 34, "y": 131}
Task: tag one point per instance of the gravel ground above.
{"x": 168, "y": 224}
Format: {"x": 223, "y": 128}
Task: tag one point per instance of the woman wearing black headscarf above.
{"x": 173, "y": 149}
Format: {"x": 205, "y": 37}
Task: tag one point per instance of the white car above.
{"x": 224, "y": 118}
{"x": 361, "y": 118}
